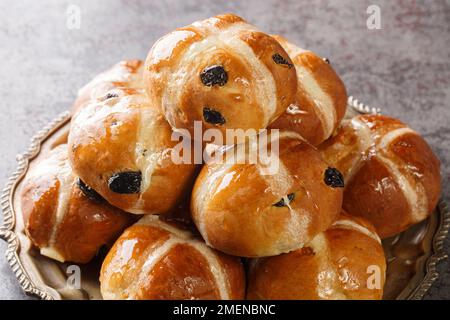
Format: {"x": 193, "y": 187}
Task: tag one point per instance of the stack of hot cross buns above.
{"x": 311, "y": 229}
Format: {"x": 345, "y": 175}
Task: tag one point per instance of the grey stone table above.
{"x": 402, "y": 67}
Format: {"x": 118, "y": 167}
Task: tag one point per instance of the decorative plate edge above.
{"x": 361, "y": 107}
{"x": 6, "y": 202}
{"x": 439, "y": 254}
{"x": 29, "y": 287}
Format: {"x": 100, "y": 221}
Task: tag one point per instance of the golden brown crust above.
{"x": 338, "y": 264}
{"x": 170, "y": 274}
{"x": 321, "y": 98}
{"x": 39, "y": 209}
{"x": 157, "y": 261}
{"x": 252, "y": 92}
{"x": 233, "y": 205}
{"x": 392, "y": 175}
{"x": 407, "y": 148}
{"x": 122, "y": 265}
{"x": 389, "y": 211}
{"x": 126, "y": 133}
{"x": 87, "y": 226}
{"x": 59, "y": 219}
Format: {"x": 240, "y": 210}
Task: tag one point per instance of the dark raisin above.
{"x": 212, "y": 116}
{"x": 111, "y": 95}
{"x": 90, "y": 193}
{"x": 102, "y": 252}
{"x": 278, "y": 58}
{"x": 125, "y": 182}
{"x": 214, "y": 75}
{"x": 326, "y": 60}
{"x": 291, "y": 197}
{"x": 334, "y": 178}
{"x": 282, "y": 203}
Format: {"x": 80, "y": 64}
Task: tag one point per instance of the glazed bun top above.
{"x": 346, "y": 261}
{"x": 221, "y": 71}
{"x": 392, "y": 175}
{"x": 123, "y": 78}
{"x": 321, "y": 99}
{"x": 63, "y": 217}
{"x": 157, "y": 260}
{"x": 121, "y": 146}
{"x": 265, "y": 208}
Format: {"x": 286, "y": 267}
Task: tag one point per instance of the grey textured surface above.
{"x": 404, "y": 68}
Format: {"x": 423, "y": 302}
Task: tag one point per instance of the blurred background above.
{"x": 398, "y": 61}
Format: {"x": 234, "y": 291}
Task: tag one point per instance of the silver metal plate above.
{"x": 411, "y": 256}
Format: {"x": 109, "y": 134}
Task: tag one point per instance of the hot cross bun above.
{"x": 392, "y": 176}
{"x": 121, "y": 146}
{"x": 344, "y": 262}
{"x": 249, "y": 210}
{"x": 65, "y": 218}
{"x": 321, "y": 98}
{"x": 156, "y": 260}
{"x": 221, "y": 71}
